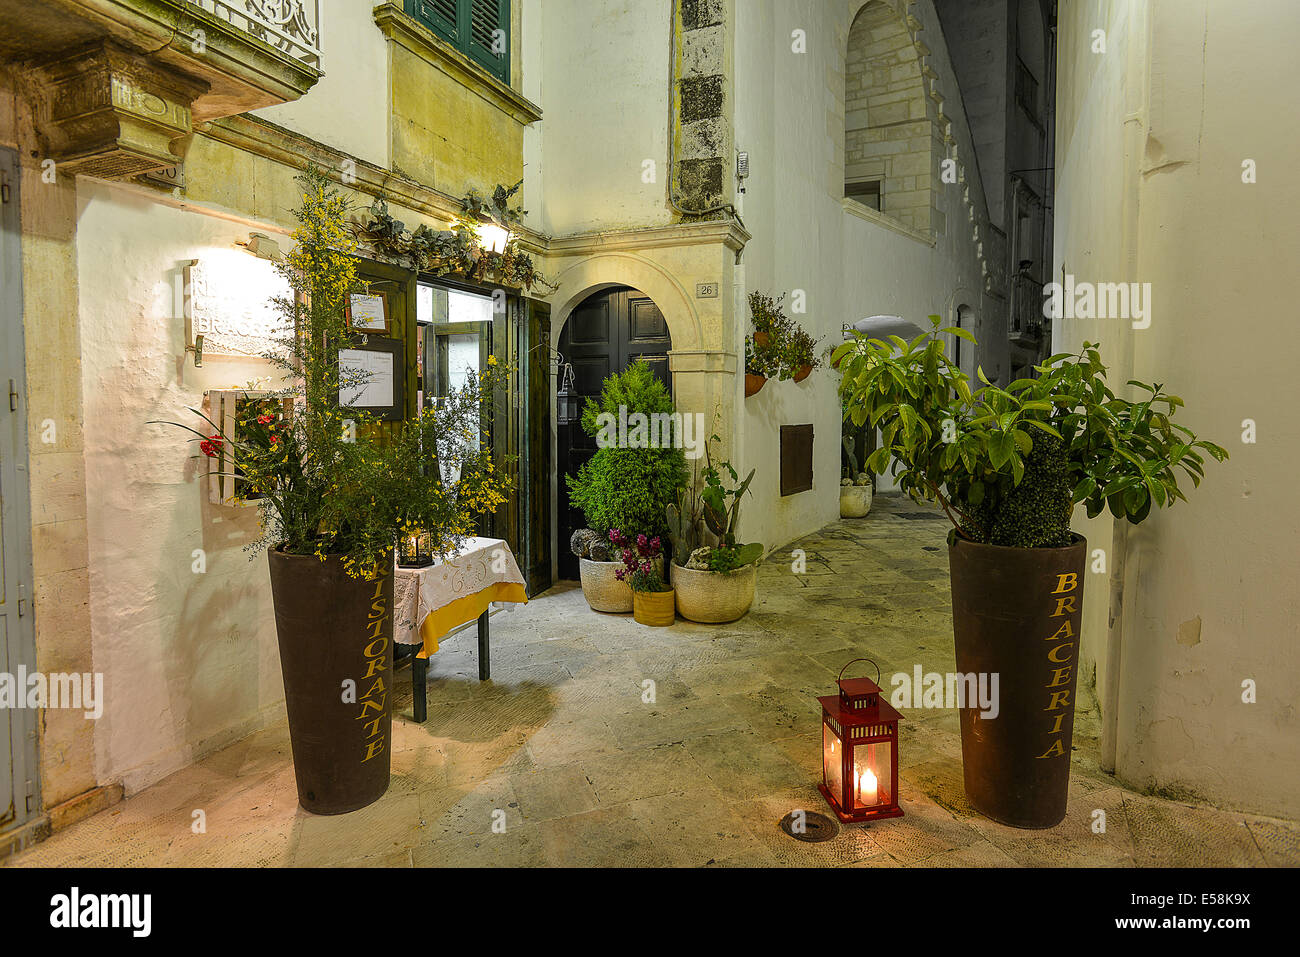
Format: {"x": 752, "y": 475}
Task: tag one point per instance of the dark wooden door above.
{"x": 603, "y": 334}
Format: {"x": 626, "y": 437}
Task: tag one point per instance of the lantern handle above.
{"x": 846, "y": 668}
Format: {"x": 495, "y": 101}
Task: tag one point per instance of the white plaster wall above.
{"x": 790, "y": 119}
{"x": 605, "y": 109}
{"x": 1159, "y": 199}
{"x": 190, "y": 660}
{"x": 348, "y": 107}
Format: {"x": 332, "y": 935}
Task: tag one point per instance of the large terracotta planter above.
{"x": 753, "y": 383}
{"x": 654, "y": 608}
{"x": 601, "y": 587}
{"x": 855, "y": 501}
{"x": 1016, "y": 614}
{"x": 714, "y": 597}
{"x": 335, "y": 632}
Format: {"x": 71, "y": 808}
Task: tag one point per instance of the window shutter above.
{"x": 440, "y": 16}
{"x": 486, "y": 26}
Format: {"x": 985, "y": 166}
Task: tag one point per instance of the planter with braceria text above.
{"x": 1016, "y": 614}
{"x": 336, "y": 655}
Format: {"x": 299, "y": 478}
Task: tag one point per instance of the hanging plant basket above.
{"x": 802, "y": 373}
{"x": 753, "y": 383}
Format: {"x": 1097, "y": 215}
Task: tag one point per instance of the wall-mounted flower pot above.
{"x": 855, "y": 501}
{"x": 753, "y": 383}
{"x": 714, "y": 597}
{"x": 802, "y": 373}
{"x": 655, "y": 608}
{"x": 761, "y": 338}
{"x": 601, "y": 587}
{"x": 334, "y": 629}
{"x": 1016, "y": 613}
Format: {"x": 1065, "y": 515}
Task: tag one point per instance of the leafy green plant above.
{"x": 1008, "y": 465}
{"x": 629, "y": 488}
{"x": 328, "y": 479}
{"x": 779, "y": 347}
{"x": 458, "y": 251}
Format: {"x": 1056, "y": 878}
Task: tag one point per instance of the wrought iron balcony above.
{"x": 1025, "y": 324}
{"x": 291, "y": 26}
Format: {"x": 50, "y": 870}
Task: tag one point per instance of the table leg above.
{"x": 419, "y": 675}
{"x": 484, "y": 655}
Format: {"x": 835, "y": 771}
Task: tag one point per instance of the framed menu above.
{"x": 368, "y": 312}
{"x": 372, "y": 378}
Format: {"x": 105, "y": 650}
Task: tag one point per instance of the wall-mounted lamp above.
{"x": 742, "y": 169}
{"x": 197, "y": 349}
{"x": 493, "y": 237}
{"x": 566, "y": 399}
{"x": 880, "y": 327}
{"x": 262, "y": 246}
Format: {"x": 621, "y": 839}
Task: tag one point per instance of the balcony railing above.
{"x": 291, "y": 26}
{"x": 1026, "y": 319}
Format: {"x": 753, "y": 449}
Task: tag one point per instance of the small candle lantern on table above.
{"x": 414, "y": 549}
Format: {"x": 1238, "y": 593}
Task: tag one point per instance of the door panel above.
{"x": 18, "y": 793}
{"x": 603, "y": 334}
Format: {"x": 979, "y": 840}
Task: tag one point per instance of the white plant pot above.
{"x": 855, "y": 501}
{"x": 714, "y": 597}
{"x": 601, "y": 587}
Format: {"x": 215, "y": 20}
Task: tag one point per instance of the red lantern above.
{"x": 860, "y": 750}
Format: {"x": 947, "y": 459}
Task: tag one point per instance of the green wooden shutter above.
{"x": 486, "y": 27}
{"x": 440, "y": 16}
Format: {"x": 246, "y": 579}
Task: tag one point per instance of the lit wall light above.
{"x": 262, "y": 246}
{"x": 493, "y": 237}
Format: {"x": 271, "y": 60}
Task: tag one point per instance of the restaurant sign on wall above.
{"x": 230, "y": 300}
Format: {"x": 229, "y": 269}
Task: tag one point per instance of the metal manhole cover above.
{"x": 809, "y": 826}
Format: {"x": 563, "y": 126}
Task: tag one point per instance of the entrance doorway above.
{"x": 18, "y": 798}
{"x": 604, "y": 333}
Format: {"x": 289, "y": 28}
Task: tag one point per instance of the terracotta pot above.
{"x": 334, "y": 629}
{"x": 714, "y": 597}
{"x": 601, "y": 587}
{"x": 753, "y": 383}
{"x": 855, "y": 501}
{"x": 761, "y": 338}
{"x": 803, "y": 373}
{"x": 654, "y": 608}
{"x": 1016, "y": 614}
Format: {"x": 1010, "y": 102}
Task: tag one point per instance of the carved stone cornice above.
{"x": 107, "y": 111}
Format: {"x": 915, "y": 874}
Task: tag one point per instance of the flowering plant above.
{"x": 330, "y": 479}
{"x": 642, "y": 561}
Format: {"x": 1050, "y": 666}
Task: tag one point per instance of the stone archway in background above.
{"x": 892, "y": 138}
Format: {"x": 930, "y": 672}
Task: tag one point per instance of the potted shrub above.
{"x": 857, "y": 487}
{"x": 760, "y": 365}
{"x": 633, "y": 475}
{"x": 335, "y": 492}
{"x": 781, "y": 347}
{"x": 714, "y": 583}
{"x": 1008, "y": 466}
{"x": 643, "y": 571}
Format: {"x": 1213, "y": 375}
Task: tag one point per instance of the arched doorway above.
{"x": 603, "y": 334}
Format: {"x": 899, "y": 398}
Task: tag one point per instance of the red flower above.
{"x": 264, "y": 419}
{"x": 212, "y": 446}
{"x": 275, "y": 439}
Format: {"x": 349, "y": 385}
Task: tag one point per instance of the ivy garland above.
{"x": 458, "y": 251}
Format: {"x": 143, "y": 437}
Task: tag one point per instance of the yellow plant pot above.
{"x": 656, "y": 608}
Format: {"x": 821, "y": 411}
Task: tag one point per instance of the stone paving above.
{"x": 561, "y": 746}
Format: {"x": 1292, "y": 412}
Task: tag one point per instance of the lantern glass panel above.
{"x": 873, "y": 774}
{"x": 833, "y": 760}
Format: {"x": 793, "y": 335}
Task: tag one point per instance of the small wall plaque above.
{"x": 706, "y": 290}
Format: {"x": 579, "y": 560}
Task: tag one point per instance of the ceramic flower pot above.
{"x": 333, "y": 629}
{"x": 601, "y": 587}
{"x": 802, "y": 373}
{"x": 753, "y": 383}
{"x": 654, "y": 608}
{"x": 714, "y": 597}
{"x": 855, "y": 501}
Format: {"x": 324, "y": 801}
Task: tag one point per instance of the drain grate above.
{"x": 809, "y": 826}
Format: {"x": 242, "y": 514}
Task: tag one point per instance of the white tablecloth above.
{"x": 428, "y": 602}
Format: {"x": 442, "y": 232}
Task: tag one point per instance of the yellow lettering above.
{"x": 376, "y": 664}
{"x": 1056, "y": 728}
{"x": 382, "y": 641}
{"x": 1065, "y": 606}
{"x": 1060, "y": 676}
{"x": 379, "y": 589}
{"x": 1061, "y": 580}
{"x": 1051, "y": 655}
{"x": 377, "y": 626}
{"x": 373, "y": 748}
{"x": 373, "y": 727}
{"x": 367, "y": 705}
{"x": 1054, "y": 749}
{"x": 380, "y": 607}
{"x": 1060, "y": 699}
{"x": 376, "y": 688}
{"x": 1065, "y": 631}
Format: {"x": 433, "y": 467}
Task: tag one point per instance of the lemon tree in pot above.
{"x": 636, "y": 471}
{"x": 335, "y": 490}
{"x": 1007, "y": 466}
{"x": 714, "y": 583}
